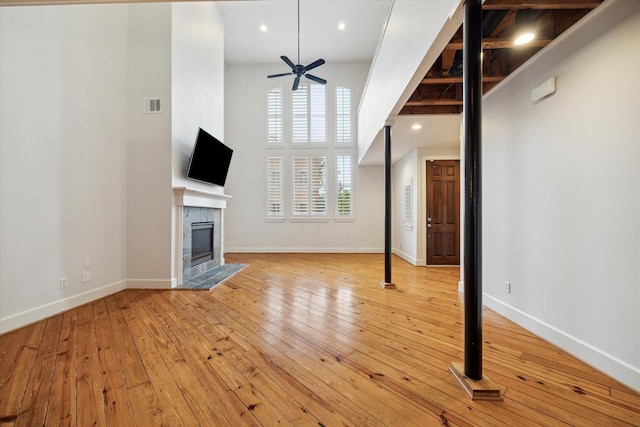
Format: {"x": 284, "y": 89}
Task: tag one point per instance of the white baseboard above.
{"x": 597, "y": 358}
{"x": 411, "y": 260}
{"x": 338, "y": 250}
{"x": 47, "y": 310}
{"x": 151, "y": 283}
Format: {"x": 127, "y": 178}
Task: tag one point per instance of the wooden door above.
{"x": 443, "y": 212}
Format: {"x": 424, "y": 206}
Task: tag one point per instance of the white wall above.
{"x": 405, "y": 239}
{"x": 176, "y": 52}
{"x": 84, "y": 174}
{"x": 412, "y": 28}
{"x": 197, "y": 82}
{"x": 149, "y": 150}
{"x": 245, "y": 132}
{"x": 63, "y": 79}
{"x": 197, "y": 87}
{"x": 561, "y": 186}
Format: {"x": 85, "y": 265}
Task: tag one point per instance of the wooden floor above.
{"x": 296, "y": 340}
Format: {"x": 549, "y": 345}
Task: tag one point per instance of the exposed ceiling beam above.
{"x": 501, "y": 43}
{"x": 454, "y": 80}
{"x": 433, "y": 102}
{"x": 540, "y": 4}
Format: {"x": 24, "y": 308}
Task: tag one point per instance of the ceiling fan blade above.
{"x": 289, "y": 63}
{"x": 279, "y": 75}
{"x": 296, "y": 82}
{"x": 316, "y": 79}
{"x": 314, "y": 64}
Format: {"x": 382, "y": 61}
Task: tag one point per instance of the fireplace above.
{"x": 201, "y": 242}
{"x": 198, "y": 232}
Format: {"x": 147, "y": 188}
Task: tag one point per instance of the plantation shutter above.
{"x": 274, "y": 109}
{"x": 275, "y": 202}
{"x": 309, "y": 186}
{"x": 318, "y": 119}
{"x": 343, "y": 115}
{"x": 309, "y": 114}
{"x": 345, "y": 190}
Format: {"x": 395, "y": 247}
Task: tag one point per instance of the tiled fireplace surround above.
{"x": 197, "y": 206}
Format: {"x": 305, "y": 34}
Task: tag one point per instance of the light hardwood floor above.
{"x": 297, "y": 340}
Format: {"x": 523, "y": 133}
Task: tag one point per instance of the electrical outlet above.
{"x": 86, "y": 277}
{"x": 87, "y": 263}
{"x": 507, "y": 287}
{"x": 63, "y": 282}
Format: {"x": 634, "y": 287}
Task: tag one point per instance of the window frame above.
{"x": 337, "y": 216}
{"x": 310, "y": 216}
{"x": 283, "y": 125}
{"x": 308, "y": 142}
{"x": 283, "y": 192}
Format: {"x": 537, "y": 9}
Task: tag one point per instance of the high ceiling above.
{"x": 436, "y": 102}
{"x": 320, "y": 36}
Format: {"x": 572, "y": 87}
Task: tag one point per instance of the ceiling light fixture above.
{"x": 525, "y": 27}
{"x": 416, "y": 126}
{"x": 341, "y": 26}
{"x": 263, "y": 28}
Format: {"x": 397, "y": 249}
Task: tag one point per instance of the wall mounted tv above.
{"x": 210, "y": 160}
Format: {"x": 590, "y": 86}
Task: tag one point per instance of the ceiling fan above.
{"x": 300, "y": 70}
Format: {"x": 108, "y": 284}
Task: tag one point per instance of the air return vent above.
{"x": 152, "y": 105}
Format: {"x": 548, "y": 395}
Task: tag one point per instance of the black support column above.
{"x": 469, "y": 374}
{"x": 387, "y": 283}
{"x": 472, "y": 102}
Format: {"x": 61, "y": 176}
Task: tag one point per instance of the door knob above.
{"x": 429, "y": 225}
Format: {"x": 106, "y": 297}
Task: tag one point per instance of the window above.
{"x": 309, "y": 186}
{"x": 274, "y": 120}
{"x": 408, "y": 204}
{"x": 309, "y": 162}
{"x": 309, "y": 114}
{"x": 275, "y": 193}
{"x": 344, "y": 191}
{"x": 343, "y": 116}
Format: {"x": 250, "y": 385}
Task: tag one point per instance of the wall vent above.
{"x": 152, "y": 105}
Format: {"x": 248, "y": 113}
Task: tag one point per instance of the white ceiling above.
{"x": 320, "y": 37}
{"x": 439, "y": 133}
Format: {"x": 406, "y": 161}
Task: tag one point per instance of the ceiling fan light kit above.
{"x": 300, "y": 70}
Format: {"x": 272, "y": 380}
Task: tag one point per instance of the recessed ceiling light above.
{"x": 263, "y": 28}
{"x": 416, "y": 126}
{"x": 341, "y": 26}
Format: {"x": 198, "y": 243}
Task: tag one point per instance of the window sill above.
{"x": 282, "y": 219}
{"x": 312, "y": 219}
{"x": 344, "y": 219}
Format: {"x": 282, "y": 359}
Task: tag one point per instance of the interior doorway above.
{"x": 443, "y": 212}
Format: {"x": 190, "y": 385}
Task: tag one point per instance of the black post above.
{"x": 472, "y": 83}
{"x": 387, "y": 205}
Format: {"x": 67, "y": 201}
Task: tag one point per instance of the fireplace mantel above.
{"x": 185, "y": 196}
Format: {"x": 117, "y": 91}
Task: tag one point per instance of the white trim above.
{"x": 411, "y": 260}
{"x": 306, "y": 250}
{"x": 198, "y": 198}
{"x": 599, "y": 359}
{"x": 36, "y": 314}
{"x": 151, "y": 283}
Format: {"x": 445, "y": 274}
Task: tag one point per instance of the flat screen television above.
{"x": 210, "y": 160}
